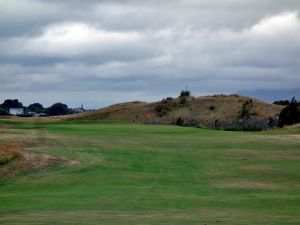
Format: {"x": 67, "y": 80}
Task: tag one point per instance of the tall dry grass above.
{"x": 10, "y": 152}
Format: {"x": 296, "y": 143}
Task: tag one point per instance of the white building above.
{"x": 16, "y": 111}
{"x": 80, "y": 110}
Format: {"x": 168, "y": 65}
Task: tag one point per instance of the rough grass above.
{"x": 145, "y": 174}
{"x": 9, "y": 152}
{"x": 14, "y": 159}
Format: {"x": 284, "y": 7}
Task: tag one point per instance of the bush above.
{"x": 217, "y": 124}
{"x": 185, "y": 93}
{"x": 290, "y": 114}
{"x": 3, "y": 112}
{"x": 281, "y": 102}
{"x": 190, "y": 122}
{"x": 179, "y": 121}
{"x": 162, "y": 110}
{"x": 246, "y": 109}
{"x": 182, "y": 100}
{"x": 212, "y": 108}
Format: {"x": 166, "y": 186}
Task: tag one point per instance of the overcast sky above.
{"x": 108, "y": 51}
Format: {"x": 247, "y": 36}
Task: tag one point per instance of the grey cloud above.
{"x": 145, "y": 49}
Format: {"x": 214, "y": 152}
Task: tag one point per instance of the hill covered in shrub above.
{"x": 230, "y": 112}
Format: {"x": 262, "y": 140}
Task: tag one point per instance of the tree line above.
{"x": 35, "y": 108}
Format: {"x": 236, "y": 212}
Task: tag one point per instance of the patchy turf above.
{"x": 145, "y": 174}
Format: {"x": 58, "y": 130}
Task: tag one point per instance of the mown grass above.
{"x": 145, "y": 174}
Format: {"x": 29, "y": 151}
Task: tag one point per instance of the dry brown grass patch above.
{"x": 10, "y": 152}
{"x": 34, "y": 162}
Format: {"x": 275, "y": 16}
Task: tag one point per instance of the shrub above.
{"x": 162, "y": 110}
{"x": 164, "y": 101}
{"x": 185, "y": 93}
{"x": 179, "y": 121}
{"x": 217, "y": 124}
{"x": 271, "y": 122}
{"x": 212, "y": 108}
{"x": 182, "y": 100}
{"x": 281, "y": 102}
{"x": 190, "y": 123}
{"x": 246, "y": 109}
{"x": 3, "y": 112}
{"x": 290, "y": 114}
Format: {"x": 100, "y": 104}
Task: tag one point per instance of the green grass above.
{"x": 145, "y": 174}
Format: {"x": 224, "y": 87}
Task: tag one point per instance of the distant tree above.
{"x": 281, "y": 102}
{"x": 185, "y": 93}
{"x": 57, "y": 109}
{"x": 11, "y": 103}
{"x": 36, "y": 107}
{"x": 290, "y": 114}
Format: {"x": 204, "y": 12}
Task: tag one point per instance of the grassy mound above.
{"x": 193, "y": 111}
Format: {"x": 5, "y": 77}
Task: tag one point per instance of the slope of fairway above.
{"x": 145, "y": 174}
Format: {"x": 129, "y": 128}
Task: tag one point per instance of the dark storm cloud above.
{"x": 125, "y": 50}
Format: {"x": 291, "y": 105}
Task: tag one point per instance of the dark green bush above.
{"x": 290, "y": 114}
{"x": 246, "y": 109}
{"x": 179, "y": 121}
{"x": 3, "y": 112}
{"x": 281, "y": 102}
{"x": 212, "y": 108}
